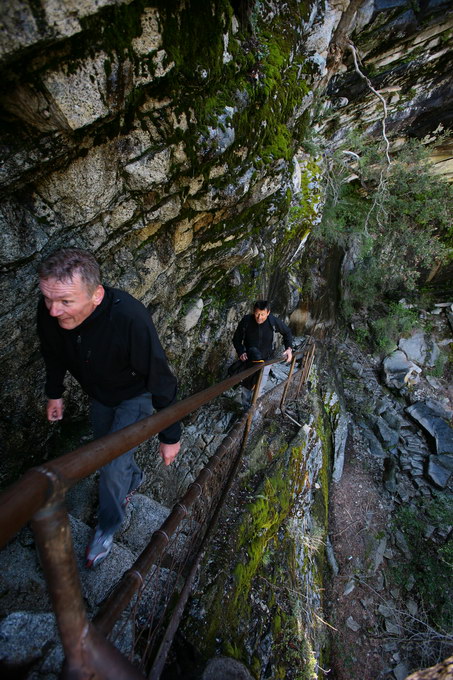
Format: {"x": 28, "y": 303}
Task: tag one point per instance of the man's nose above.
{"x": 55, "y": 309}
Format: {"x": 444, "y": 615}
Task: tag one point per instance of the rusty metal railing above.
{"x": 39, "y": 496}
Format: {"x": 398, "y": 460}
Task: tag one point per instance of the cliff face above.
{"x": 165, "y": 137}
{"x": 161, "y": 137}
{"x": 405, "y": 50}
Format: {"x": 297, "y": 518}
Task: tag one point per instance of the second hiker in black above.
{"x": 255, "y": 334}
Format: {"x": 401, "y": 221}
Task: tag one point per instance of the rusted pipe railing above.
{"x": 172, "y": 627}
{"x": 112, "y": 608}
{"x": 39, "y": 495}
{"x": 22, "y": 499}
{"x": 288, "y": 381}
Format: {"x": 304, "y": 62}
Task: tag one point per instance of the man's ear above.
{"x": 98, "y": 295}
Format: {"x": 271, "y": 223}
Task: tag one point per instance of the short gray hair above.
{"x": 63, "y": 264}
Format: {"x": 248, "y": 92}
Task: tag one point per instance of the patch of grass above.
{"x": 438, "y": 370}
{"x": 398, "y": 322}
{"x": 425, "y": 525}
{"x": 394, "y": 218}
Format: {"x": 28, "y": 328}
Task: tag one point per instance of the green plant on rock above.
{"x": 296, "y": 653}
{"x": 438, "y": 370}
{"x": 424, "y": 525}
{"x": 386, "y": 330}
{"x": 395, "y": 220}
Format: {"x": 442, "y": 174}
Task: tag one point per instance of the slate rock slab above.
{"x": 399, "y": 371}
{"x": 437, "y": 473}
{"x": 427, "y": 414}
{"x": 146, "y": 517}
{"x": 415, "y": 347}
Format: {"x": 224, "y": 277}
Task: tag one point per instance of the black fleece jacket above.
{"x": 115, "y": 354}
{"x": 260, "y": 335}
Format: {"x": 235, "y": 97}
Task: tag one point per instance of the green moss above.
{"x": 264, "y": 70}
{"x": 114, "y": 27}
{"x": 296, "y": 652}
{"x": 263, "y": 519}
{"x": 303, "y": 215}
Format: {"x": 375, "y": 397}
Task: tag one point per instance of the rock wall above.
{"x": 166, "y": 138}
{"x": 404, "y": 49}
{"x": 161, "y": 136}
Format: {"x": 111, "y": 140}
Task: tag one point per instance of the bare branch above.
{"x": 378, "y": 95}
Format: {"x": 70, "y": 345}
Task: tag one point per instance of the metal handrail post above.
{"x": 306, "y": 366}
{"x": 53, "y": 540}
{"x": 288, "y": 381}
{"x": 252, "y": 409}
{"x": 309, "y": 363}
{"x": 87, "y": 655}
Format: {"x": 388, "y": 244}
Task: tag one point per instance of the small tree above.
{"x": 393, "y": 221}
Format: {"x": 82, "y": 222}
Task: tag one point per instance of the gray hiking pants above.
{"x": 246, "y": 394}
{"x": 122, "y": 475}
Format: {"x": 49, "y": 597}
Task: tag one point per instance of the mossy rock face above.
{"x": 159, "y": 135}
{"x": 269, "y": 549}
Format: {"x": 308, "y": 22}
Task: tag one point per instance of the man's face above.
{"x": 70, "y": 302}
{"x": 261, "y": 315}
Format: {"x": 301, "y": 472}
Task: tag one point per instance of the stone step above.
{"x": 28, "y": 629}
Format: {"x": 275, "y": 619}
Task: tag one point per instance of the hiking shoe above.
{"x": 99, "y": 547}
{"x": 131, "y": 493}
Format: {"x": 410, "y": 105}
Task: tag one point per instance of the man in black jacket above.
{"x": 106, "y": 339}
{"x": 255, "y": 336}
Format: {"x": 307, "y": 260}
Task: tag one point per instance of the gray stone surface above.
{"x": 74, "y": 95}
{"x": 192, "y": 316}
{"x": 415, "y": 348}
{"x": 352, "y": 624}
{"x": 84, "y": 189}
{"x": 331, "y": 559}
{"x": 82, "y": 499}
{"x": 22, "y": 582}
{"x": 26, "y": 636}
{"x": 401, "y": 671}
{"x": 437, "y": 473}
{"x": 146, "y": 516}
{"x": 340, "y": 439}
{"x": 446, "y": 460}
{"x": 374, "y": 444}
{"x": 388, "y": 435}
{"x": 427, "y": 414}
{"x": 225, "y": 668}
{"x": 399, "y": 371}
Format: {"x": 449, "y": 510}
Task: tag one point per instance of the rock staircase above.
{"x": 29, "y": 642}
